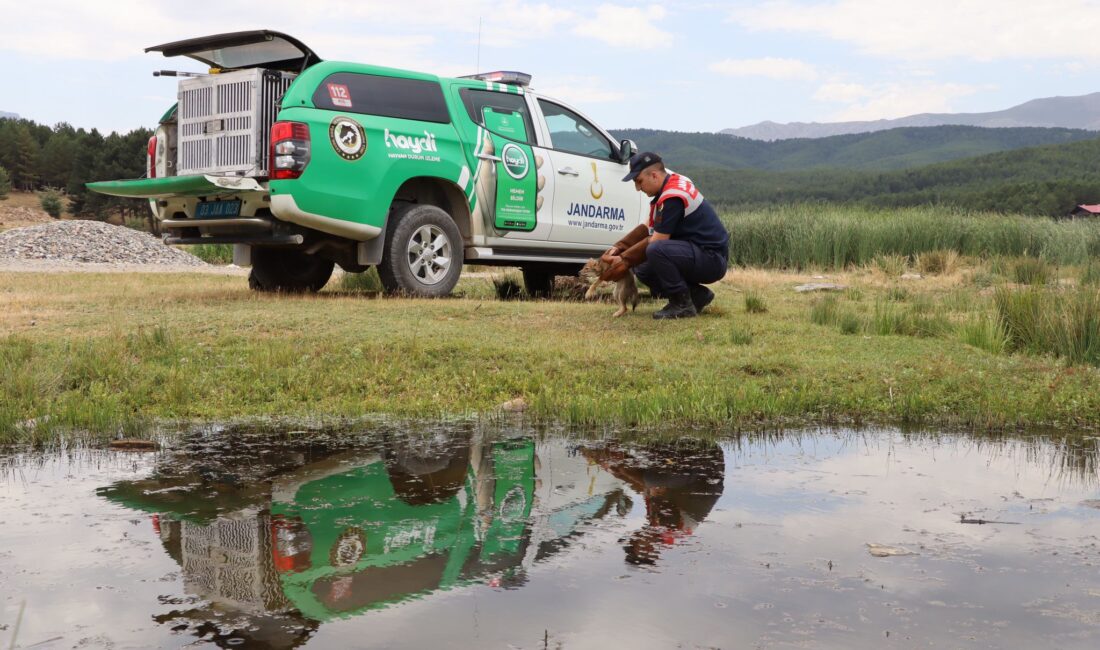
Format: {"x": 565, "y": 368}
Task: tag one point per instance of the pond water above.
{"x": 464, "y": 537}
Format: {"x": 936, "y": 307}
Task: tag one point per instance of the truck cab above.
{"x": 304, "y": 164}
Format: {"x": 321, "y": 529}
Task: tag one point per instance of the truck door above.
{"x": 506, "y": 186}
{"x": 591, "y": 203}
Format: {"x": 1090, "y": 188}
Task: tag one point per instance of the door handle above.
{"x": 485, "y": 156}
{"x": 569, "y": 171}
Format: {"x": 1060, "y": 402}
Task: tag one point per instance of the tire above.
{"x": 538, "y": 279}
{"x": 288, "y": 271}
{"x": 422, "y": 255}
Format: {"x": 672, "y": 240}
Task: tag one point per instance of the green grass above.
{"x": 1031, "y": 270}
{"x": 365, "y": 282}
{"x": 985, "y": 332}
{"x": 211, "y": 253}
{"x": 838, "y": 237}
{"x": 754, "y": 303}
{"x": 1065, "y": 323}
{"x": 115, "y": 353}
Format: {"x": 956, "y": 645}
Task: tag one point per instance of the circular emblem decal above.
{"x": 515, "y": 161}
{"x": 347, "y": 138}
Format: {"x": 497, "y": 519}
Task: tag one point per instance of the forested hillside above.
{"x": 1048, "y": 180}
{"x": 36, "y": 157}
{"x": 894, "y": 149}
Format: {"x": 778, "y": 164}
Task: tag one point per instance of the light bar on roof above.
{"x": 503, "y": 77}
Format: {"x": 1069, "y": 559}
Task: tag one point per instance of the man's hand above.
{"x": 611, "y": 256}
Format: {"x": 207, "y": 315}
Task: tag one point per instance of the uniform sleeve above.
{"x": 671, "y": 212}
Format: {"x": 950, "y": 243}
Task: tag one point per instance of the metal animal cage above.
{"x": 224, "y": 121}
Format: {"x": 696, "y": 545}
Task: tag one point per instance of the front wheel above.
{"x": 422, "y": 255}
{"x": 288, "y": 270}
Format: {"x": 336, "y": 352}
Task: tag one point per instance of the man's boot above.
{"x": 700, "y": 297}
{"x": 679, "y": 306}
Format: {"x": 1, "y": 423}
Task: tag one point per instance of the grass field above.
{"x": 110, "y": 353}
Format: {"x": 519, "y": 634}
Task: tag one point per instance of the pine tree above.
{"x": 5, "y": 184}
{"x": 24, "y": 166}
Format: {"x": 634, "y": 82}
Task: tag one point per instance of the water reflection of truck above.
{"x": 359, "y": 530}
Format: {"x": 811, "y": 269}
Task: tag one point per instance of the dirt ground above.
{"x": 21, "y": 209}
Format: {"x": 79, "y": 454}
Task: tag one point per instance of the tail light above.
{"x": 151, "y": 161}
{"x": 289, "y": 150}
{"x": 291, "y": 545}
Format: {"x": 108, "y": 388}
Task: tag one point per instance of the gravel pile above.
{"x": 90, "y": 242}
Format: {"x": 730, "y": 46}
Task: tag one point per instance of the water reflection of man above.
{"x": 679, "y": 483}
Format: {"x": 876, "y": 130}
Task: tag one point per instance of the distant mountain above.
{"x": 1082, "y": 112}
{"x": 8, "y": 116}
{"x": 1048, "y": 180}
{"x": 900, "y": 148}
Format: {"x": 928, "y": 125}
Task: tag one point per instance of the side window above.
{"x": 571, "y": 132}
{"x": 505, "y": 114}
{"x": 410, "y": 99}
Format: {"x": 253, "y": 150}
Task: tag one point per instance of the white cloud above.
{"x": 581, "y": 91}
{"x": 67, "y": 29}
{"x": 941, "y": 29}
{"x": 891, "y": 100}
{"x": 842, "y": 92}
{"x": 772, "y": 68}
{"x": 625, "y": 26}
{"x": 53, "y": 29}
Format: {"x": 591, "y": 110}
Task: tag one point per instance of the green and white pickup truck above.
{"x": 303, "y": 164}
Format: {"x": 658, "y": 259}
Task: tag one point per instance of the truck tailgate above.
{"x": 170, "y": 186}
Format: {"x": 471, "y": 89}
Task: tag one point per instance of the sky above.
{"x": 683, "y": 66}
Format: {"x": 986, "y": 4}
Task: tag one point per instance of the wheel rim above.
{"x": 429, "y": 254}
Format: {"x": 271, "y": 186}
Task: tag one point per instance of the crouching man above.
{"x": 687, "y": 247}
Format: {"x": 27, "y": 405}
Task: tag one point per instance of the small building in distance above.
{"x": 1085, "y": 212}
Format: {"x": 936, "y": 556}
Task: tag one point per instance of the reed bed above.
{"x": 829, "y": 237}
{"x": 1065, "y": 323}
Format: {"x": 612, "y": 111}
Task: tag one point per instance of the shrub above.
{"x": 754, "y": 303}
{"x": 5, "y": 184}
{"x": 50, "y": 200}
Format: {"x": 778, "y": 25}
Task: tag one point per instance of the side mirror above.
{"x": 627, "y": 148}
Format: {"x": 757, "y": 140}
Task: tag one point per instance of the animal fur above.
{"x": 626, "y": 288}
{"x": 596, "y": 272}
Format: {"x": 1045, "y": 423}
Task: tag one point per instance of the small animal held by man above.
{"x": 596, "y": 271}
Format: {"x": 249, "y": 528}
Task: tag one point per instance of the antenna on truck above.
{"x": 478, "y": 64}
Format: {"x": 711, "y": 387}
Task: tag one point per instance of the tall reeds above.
{"x": 822, "y": 236}
{"x": 1063, "y": 323}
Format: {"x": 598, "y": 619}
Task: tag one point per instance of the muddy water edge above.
{"x": 465, "y": 536}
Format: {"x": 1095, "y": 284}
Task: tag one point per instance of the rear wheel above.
{"x": 423, "y": 252}
{"x": 288, "y": 270}
{"x": 538, "y": 279}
